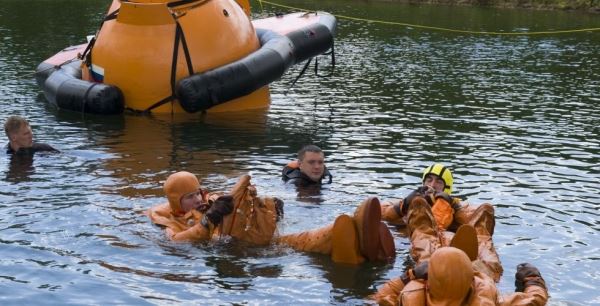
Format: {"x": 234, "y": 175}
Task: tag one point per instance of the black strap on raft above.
{"x": 179, "y": 37}
{"x": 86, "y": 56}
{"x": 332, "y": 53}
{"x": 157, "y": 104}
{"x": 181, "y": 2}
{"x": 301, "y": 72}
{"x": 112, "y": 15}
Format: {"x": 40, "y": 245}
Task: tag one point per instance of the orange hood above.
{"x": 177, "y": 185}
{"x": 450, "y": 277}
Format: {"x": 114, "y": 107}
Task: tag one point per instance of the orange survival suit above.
{"x": 452, "y": 280}
{"x": 425, "y": 237}
{"x": 428, "y": 226}
{"x": 253, "y": 220}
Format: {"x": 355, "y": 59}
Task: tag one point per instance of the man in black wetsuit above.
{"x": 309, "y": 168}
{"x": 20, "y": 138}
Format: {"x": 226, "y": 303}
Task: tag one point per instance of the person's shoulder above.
{"x": 8, "y": 149}
{"x": 160, "y": 214}
{"x": 327, "y": 177}
{"x": 292, "y": 175}
{"x": 413, "y": 293}
{"x": 291, "y": 171}
{"x": 43, "y": 147}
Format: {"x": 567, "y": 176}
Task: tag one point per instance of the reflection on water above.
{"x": 20, "y": 168}
{"x": 146, "y": 149}
{"x": 310, "y": 193}
{"x": 516, "y": 118}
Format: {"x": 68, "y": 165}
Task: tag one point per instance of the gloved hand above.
{"x": 278, "y": 208}
{"x": 205, "y": 204}
{"x": 527, "y": 275}
{"x": 446, "y": 197}
{"x": 419, "y": 192}
{"x": 420, "y": 271}
{"x": 221, "y": 207}
{"x": 454, "y": 202}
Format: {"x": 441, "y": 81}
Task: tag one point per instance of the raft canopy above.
{"x": 278, "y": 52}
{"x": 191, "y": 64}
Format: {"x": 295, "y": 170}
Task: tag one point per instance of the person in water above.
{"x": 449, "y": 278}
{"x": 20, "y": 138}
{"x": 433, "y": 224}
{"x": 308, "y": 169}
{"x": 194, "y": 214}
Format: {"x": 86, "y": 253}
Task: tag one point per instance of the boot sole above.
{"x": 370, "y": 229}
{"x": 344, "y": 241}
{"x": 240, "y": 187}
{"x": 465, "y": 239}
{"x": 485, "y": 211}
{"x": 388, "y": 247}
{"x": 421, "y": 209}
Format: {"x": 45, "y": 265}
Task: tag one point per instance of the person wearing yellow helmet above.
{"x": 451, "y": 270}
{"x": 445, "y": 214}
{"x": 439, "y": 178}
{"x": 436, "y": 188}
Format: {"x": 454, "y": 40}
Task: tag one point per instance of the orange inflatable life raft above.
{"x": 182, "y": 56}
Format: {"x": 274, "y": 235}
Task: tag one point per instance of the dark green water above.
{"x": 516, "y": 118}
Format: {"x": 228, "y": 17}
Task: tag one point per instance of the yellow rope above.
{"x": 436, "y": 28}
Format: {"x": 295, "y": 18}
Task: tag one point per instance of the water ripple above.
{"x": 516, "y": 118}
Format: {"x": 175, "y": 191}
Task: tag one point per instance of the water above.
{"x": 516, "y": 118}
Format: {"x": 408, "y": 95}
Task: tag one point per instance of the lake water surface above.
{"x": 515, "y": 117}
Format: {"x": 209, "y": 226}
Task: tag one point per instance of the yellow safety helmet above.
{"x": 444, "y": 173}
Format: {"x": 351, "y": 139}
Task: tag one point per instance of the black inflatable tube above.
{"x": 42, "y": 73}
{"x": 64, "y": 88}
{"x": 276, "y": 55}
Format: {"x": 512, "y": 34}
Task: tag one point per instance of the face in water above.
{"x": 434, "y": 182}
{"x": 313, "y": 165}
{"x": 192, "y": 200}
{"x": 23, "y": 138}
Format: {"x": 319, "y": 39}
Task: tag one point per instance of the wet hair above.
{"x": 13, "y": 124}
{"x": 308, "y": 148}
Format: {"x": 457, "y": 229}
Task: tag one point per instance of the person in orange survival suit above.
{"x": 193, "y": 214}
{"x": 449, "y": 213}
{"x": 449, "y": 278}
